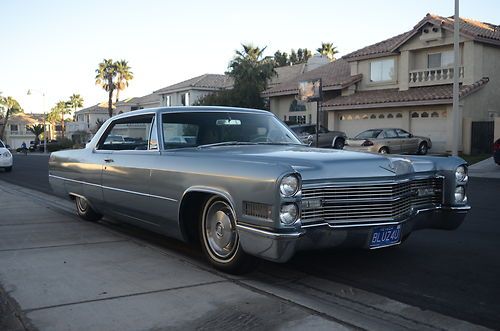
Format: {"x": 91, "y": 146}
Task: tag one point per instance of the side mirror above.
{"x": 410, "y": 136}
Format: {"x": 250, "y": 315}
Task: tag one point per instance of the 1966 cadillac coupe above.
{"x": 242, "y": 184}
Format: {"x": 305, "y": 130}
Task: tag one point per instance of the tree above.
{"x": 283, "y": 59}
{"x": 105, "y": 77}
{"x": 37, "y": 130}
{"x": 57, "y": 112}
{"x": 10, "y": 106}
{"x": 328, "y": 50}
{"x": 123, "y": 76}
{"x": 251, "y": 71}
{"x": 75, "y": 101}
{"x": 303, "y": 54}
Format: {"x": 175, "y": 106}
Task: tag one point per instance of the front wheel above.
{"x": 219, "y": 238}
{"x": 422, "y": 148}
{"x": 384, "y": 150}
{"x": 85, "y": 211}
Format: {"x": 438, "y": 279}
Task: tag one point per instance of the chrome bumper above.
{"x": 280, "y": 247}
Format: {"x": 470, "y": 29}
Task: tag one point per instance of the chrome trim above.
{"x": 457, "y": 208}
{"x": 113, "y": 188}
{"x": 274, "y": 235}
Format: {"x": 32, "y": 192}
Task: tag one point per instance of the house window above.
{"x": 435, "y": 114}
{"x": 382, "y": 70}
{"x": 373, "y": 116}
{"x": 14, "y": 128}
{"x": 185, "y": 99}
{"x": 365, "y": 117}
{"x": 399, "y": 115}
{"x": 424, "y": 114}
{"x": 381, "y": 116}
{"x": 390, "y": 116}
{"x": 440, "y": 60}
{"x": 414, "y": 115}
{"x": 168, "y": 102}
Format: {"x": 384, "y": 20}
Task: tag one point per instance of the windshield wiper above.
{"x": 227, "y": 143}
{"x": 278, "y": 143}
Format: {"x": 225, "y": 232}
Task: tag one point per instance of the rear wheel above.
{"x": 219, "y": 238}
{"x": 339, "y": 143}
{"x": 384, "y": 150}
{"x": 85, "y": 211}
{"x": 423, "y": 148}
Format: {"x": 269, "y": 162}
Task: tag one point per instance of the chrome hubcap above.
{"x": 220, "y": 231}
{"x": 82, "y": 204}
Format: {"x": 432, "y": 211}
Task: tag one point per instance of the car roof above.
{"x": 185, "y": 109}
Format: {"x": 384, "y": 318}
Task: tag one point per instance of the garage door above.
{"x": 354, "y": 122}
{"x": 430, "y": 124}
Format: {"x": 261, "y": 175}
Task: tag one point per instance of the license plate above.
{"x": 385, "y": 236}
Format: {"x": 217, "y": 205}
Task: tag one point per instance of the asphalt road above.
{"x": 455, "y": 273}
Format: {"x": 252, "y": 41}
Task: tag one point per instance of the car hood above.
{"x": 3, "y": 150}
{"x": 316, "y": 163}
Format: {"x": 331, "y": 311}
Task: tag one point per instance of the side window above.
{"x": 178, "y": 132}
{"x": 153, "y": 136}
{"x": 131, "y": 133}
{"x": 322, "y": 129}
{"x": 390, "y": 134}
{"x": 402, "y": 133}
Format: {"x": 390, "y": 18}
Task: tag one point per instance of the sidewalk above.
{"x": 60, "y": 273}
{"x": 485, "y": 168}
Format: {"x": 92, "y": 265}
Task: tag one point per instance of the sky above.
{"x": 54, "y": 46}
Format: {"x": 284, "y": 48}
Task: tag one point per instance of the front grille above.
{"x": 356, "y": 203}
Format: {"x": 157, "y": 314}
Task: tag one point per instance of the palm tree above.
{"x": 75, "y": 101}
{"x": 251, "y": 72}
{"x": 123, "y": 77}
{"x": 106, "y": 74}
{"x": 11, "y": 106}
{"x": 37, "y": 130}
{"x": 328, "y": 50}
{"x": 58, "y": 111}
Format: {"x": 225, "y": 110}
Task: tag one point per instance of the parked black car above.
{"x": 327, "y": 138}
{"x": 496, "y": 151}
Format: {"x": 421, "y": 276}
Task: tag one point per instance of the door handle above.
{"x": 109, "y": 160}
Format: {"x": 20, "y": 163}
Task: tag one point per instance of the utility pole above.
{"x": 456, "y": 62}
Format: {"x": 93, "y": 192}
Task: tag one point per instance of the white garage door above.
{"x": 430, "y": 124}
{"x": 354, "y": 122}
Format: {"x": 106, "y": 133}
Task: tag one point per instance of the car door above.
{"x": 392, "y": 140}
{"x": 126, "y": 170}
{"x": 409, "y": 144}
{"x": 325, "y": 139}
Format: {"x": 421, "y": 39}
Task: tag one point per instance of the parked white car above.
{"x": 5, "y": 157}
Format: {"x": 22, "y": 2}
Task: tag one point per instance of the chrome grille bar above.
{"x": 356, "y": 202}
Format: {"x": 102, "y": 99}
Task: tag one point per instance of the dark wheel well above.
{"x": 384, "y": 148}
{"x": 189, "y": 215}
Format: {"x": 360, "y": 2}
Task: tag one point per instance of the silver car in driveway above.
{"x": 241, "y": 183}
{"x": 391, "y": 140}
{"x": 326, "y": 138}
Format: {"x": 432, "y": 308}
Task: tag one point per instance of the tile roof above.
{"x": 287, "y": 73}
{"x": 146, "y": 99}
{"x": 480, "y": 31}
{"x": 206, "y": 81}
{"x": 100, "y": 107}
{"x": 394, "y": 97}
{"x": 334, "y": 75}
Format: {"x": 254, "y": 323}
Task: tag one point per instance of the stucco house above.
{"x": 147, "y": 101}
{"x": 406, "y": 81}
{"x": 16, "y": 131}
{"x": 186, "y": 93}
{"x": 86, "y": 122}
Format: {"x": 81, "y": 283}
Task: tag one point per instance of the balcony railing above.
{"x": 434, "y": 76}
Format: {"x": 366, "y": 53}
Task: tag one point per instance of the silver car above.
{"x": 326, "y": 138}
{"x": 385, "y": 141}
{"x": 241, "y": 183}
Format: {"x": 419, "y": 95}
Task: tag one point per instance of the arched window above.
{"x": 342, "y": 117}
{"x": 425, "y": 114}
{"x": 373, "y": 116}
{"x": 390, "y": 116}
{"x": 414, "y": 115}
{"x": 365, "y": 117}
{"x": 381, "y": 116}
{"x": 356, "y": 117}
{"x": 349, "y": 117}
{"x": 399, "y": 115}
{"x": 435, "y": 114}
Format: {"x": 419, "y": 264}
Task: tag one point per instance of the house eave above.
{"x": 389, "y": 104}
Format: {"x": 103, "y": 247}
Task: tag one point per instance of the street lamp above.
{"x": 30, "y": 92}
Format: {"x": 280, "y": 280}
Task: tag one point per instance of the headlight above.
{"x": 6, "y": 154}
{"x": 289, "y": 185}
{"x": 289, "y": 213}
{"x": 460, "y": 195}
{"x": 461, "y": 174}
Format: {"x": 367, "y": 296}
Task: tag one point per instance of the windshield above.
{"x": 368, "y": 134}
{"x": 193, "y": 129}
{"x": 1, "y": 144}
